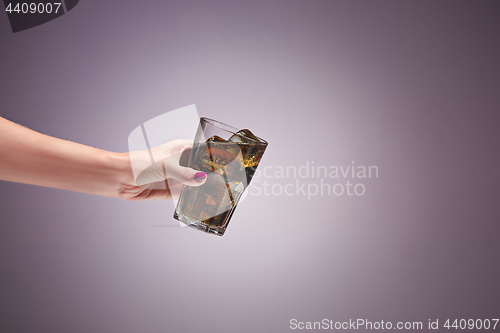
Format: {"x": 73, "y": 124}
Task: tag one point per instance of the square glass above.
{"x": 229, "y": 157}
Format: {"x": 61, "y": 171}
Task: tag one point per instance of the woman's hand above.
{"x": 159, "y": 174}
{"x": 29, "y": 157}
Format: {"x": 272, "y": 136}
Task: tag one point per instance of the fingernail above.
{"x": 200, "y": 176}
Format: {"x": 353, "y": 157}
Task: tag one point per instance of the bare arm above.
{"x": 33, "y": 158}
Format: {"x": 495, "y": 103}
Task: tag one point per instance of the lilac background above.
{"x": 409, "y": 86}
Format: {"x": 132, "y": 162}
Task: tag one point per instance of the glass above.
{"x": 229, "y": 157}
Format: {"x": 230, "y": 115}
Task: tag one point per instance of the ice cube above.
{"x": 244, "y": 136}
{"x": 216, "y": 138}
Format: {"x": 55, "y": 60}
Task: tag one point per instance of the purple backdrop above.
{"x": 408, "y": 86}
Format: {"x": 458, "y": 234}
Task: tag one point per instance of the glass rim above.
{"x": 230, "y": 129}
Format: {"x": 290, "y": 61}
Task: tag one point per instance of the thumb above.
{"x": 185, "y": 175}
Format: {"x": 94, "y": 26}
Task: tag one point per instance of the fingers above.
{"x": 171, "y": 163}
{"x": 185, "y": 175}
{"x": 155, "y": 191}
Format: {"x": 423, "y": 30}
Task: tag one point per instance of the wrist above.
{"x": 121, "y": 172}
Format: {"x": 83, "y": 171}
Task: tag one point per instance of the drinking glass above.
{"x": 229, "y": 157}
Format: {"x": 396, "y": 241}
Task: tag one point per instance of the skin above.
{"x": 33, "y": 158}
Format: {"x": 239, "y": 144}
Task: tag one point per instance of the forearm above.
{"x": 33, "y": 158}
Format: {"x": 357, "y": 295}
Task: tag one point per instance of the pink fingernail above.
{"x": 200, "y": 176}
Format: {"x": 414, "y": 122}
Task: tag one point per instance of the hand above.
{"x": 30, "y": 157}
{"x": 159, "y": 173}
